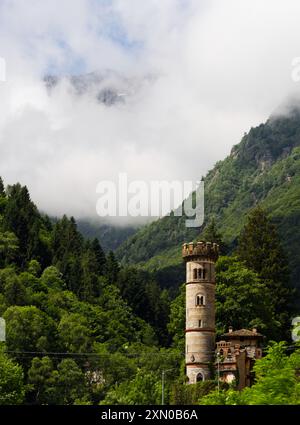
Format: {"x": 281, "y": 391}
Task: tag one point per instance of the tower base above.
{"x": 197, "y": 373}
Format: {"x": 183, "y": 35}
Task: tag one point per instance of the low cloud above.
{"x": 190, "y": 78}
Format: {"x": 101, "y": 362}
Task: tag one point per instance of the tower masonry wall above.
{"x": 205, "y": 312}
{"x": 207, "y": 266}
{"x": 200, "y": 260}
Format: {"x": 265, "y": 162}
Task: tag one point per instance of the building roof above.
{"x": 242, "y": 332}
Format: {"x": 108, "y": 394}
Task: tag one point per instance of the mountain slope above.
{"x": 110, "y": 237}
{"x": 263, "y": 168}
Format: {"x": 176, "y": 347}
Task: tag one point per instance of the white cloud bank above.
{"x": 200, "y": 73}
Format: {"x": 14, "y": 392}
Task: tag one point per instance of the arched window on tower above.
{"x": 195, "y": 272}
{"x": 199, "y": 377}
{"x": 200, "y": 300}
{"x": 199, "y": 273}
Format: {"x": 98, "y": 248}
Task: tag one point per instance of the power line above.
{"x": 129, "y": 355}
{"x": 77, "y": 354}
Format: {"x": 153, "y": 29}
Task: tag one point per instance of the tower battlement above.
{"x": 203, "y": 250}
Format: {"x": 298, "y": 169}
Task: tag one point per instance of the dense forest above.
{"x": 81, "y": 328}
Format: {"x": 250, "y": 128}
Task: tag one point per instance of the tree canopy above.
{"x": 81, "y": 328}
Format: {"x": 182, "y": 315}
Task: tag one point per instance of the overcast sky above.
{"x": 200, "y": 74}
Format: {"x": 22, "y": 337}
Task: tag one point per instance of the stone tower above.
{"x": 200, "y": 261}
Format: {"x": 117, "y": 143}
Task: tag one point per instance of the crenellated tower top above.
{"x": 203, "y": 250}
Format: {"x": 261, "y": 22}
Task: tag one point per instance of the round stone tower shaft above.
{"x": 200, "y": 261}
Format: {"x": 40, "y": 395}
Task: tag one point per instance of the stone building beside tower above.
{"x": 236, "y": 354}
{"x": 233, "y": 357}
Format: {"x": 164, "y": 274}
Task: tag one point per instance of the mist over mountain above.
{"x": 264, "y": 169}
{"x": 111, "y": 237}
{"x": 107, "y": 87}
{"x": 153, "y": 90}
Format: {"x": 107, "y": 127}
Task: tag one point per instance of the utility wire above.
{"x": 133, "y": 355}
{"x": 53, "y": 353}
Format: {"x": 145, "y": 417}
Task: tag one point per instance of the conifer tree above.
{"x": 212, "y": 234}
{"x": 112, "y": 268}
{"x": 20, "y": 217}
{"x": 67, "y": 245}
{"x": 90, "y": 286}
{"x": 260, "y": 248}
{"x": 2, "y": 189}
{"x": 100, "y": 256}
{"x": 3, "y": 199}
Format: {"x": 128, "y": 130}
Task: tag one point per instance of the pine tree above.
{"x": 20, "y": 216}
{"x": 91, "y": 286}
{"x": 67, "y": 245}
{"x": 112, "y": 268}
{"x": 100, "y": 256}
{"x": 3, "y": 199}
{"x": 2, "y": 189}
{"x": 75, "y": 237}
{"x": 260, "y": 248}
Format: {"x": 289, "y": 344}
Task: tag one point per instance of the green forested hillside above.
{"x": 77, "y": 324}
{"x": 111, "y": 237}
{"x": 83, "y": 329}
{"x": 264, "y": 168}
